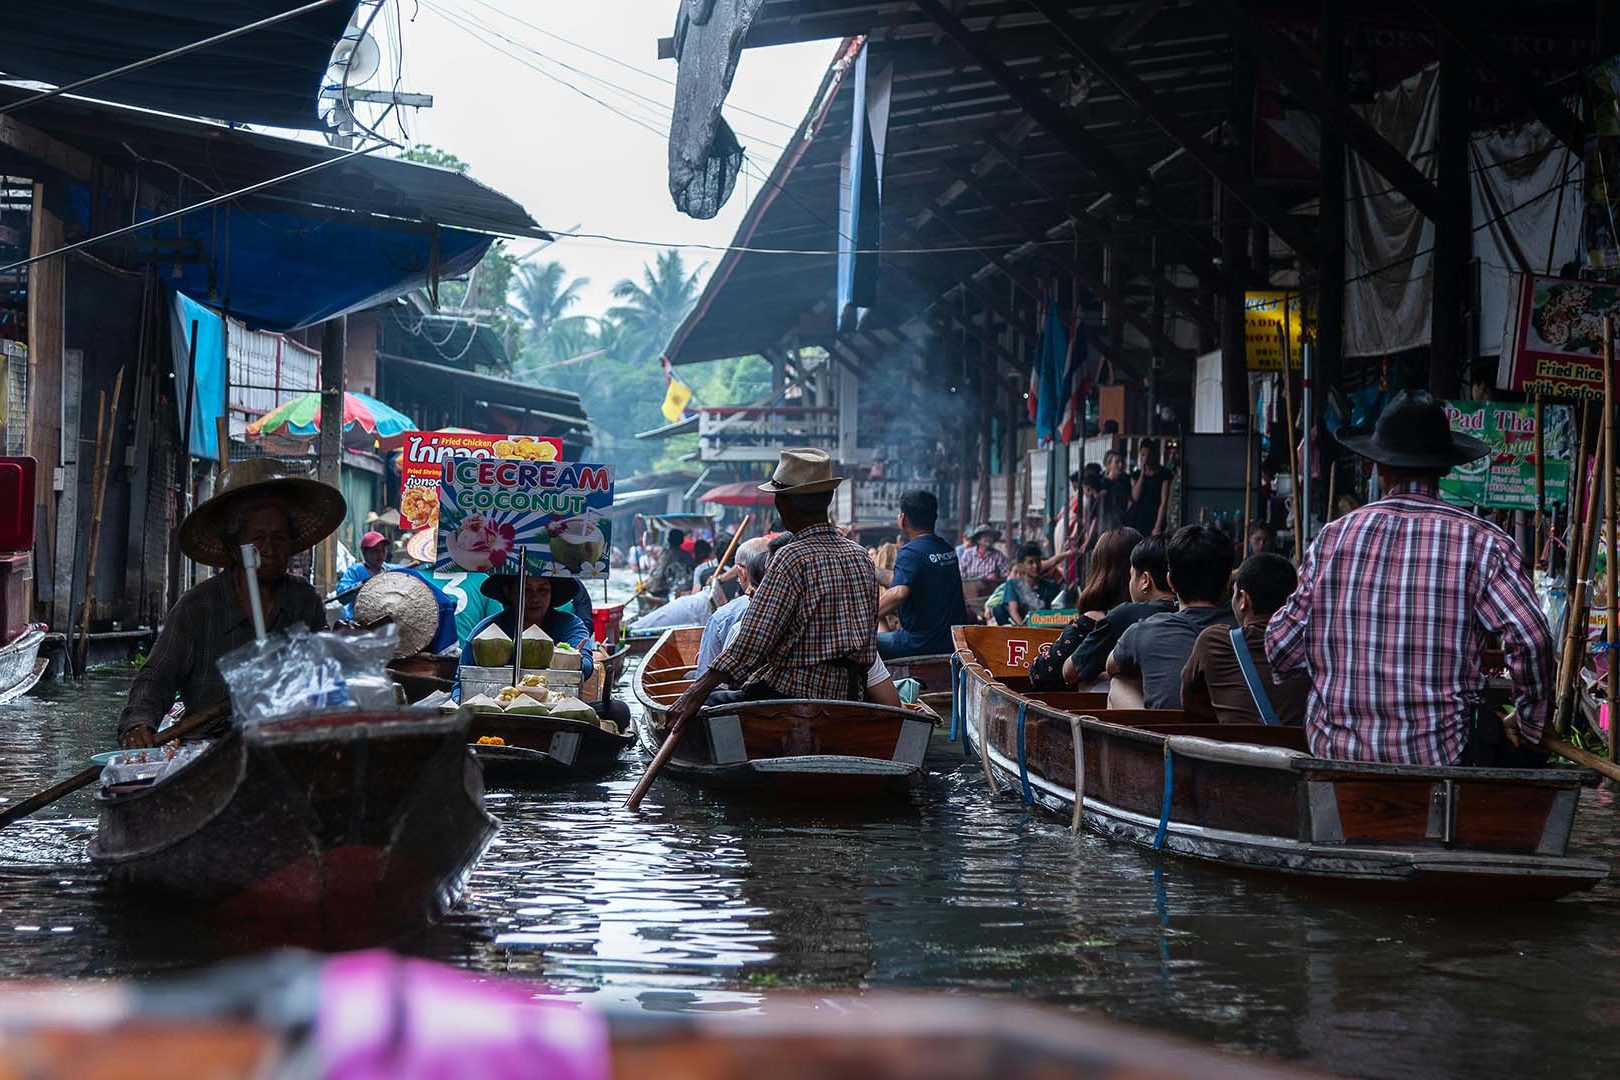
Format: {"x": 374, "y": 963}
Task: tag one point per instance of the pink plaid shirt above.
{"x": 1394, "y": 602}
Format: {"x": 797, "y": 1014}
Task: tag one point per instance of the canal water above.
{"x": 697, "y": 905}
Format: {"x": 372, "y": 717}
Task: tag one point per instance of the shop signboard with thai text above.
{"x": 554, "y": 511}
{"x": 422, "y": 458}
{"x": 1552, "y": 343}
{"x": 1505, "y": 479}
{"x": 1264, "y": 314}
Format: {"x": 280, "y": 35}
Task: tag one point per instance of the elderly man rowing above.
{"x": 280, "y": 515}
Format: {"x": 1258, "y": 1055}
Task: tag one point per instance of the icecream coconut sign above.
{"x": 555, "y": 511}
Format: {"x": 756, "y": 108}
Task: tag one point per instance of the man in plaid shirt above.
{"x": 811, "y": 629}
{"x": 1394, "y": 605}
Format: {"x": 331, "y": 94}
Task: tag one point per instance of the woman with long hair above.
{"x": 1108, "y": 584}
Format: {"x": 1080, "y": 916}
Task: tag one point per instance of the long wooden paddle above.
{"x": 88, "y": 776}
{"x": 645, "y": 784}
{"x": 1564, "y": 748}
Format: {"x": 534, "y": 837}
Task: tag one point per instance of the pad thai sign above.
{"x": 554, "y": 511}
{"x": 422, "y": 458}
{"x": 1552, "y": 343}
{"x": 1505, "y": 479}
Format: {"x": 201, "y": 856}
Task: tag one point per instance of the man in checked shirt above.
{"x": 1394, "y": 605}
{"x": 811, "y": 629}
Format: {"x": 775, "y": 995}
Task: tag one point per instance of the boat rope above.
{"x": 1164, "y": 806}
{"x": 1076, "y": 734}
{"x": 956, "y": 695}
{"x": 1023, "y": 761}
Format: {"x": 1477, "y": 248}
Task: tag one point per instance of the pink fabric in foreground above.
{"x": 384, "y": 1017}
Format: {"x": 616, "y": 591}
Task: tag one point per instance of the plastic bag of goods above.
{"x": 294, "y": 670}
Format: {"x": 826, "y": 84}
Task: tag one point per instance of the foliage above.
{"x": 431, "y": 155}
{"x": 613, "y": 362}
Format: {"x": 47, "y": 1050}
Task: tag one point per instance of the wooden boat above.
{"x": 332, "y": 829}
{"x": 796, "y": 747}
{"x": 537, "y": 751}
{"x": 1251, "y": 797}
{"x": 423, "y": 674}
{"x": 275, "y": 1017}
{"x": 20, "y": 663}
{"x": 641, "y": 642}
{"x": 933, "y": 672}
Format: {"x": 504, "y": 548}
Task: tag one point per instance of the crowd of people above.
{"x": 1374, "y": 643}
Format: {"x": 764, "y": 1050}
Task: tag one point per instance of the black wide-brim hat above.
{"x": 1413, "y": 433}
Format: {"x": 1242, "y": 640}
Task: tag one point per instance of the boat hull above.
{"x": 1248, "y": 797}
{"x": 540, "y": 751}
{"x": 795, "y": 748}
{"x": 20, "y": 663}
{"x": 332, "y": 830}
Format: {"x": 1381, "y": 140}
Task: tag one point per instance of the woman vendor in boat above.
{"x": 542, "y": 606}
{"x": 280, "y": 515}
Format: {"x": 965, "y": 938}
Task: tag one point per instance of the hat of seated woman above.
{"x": 803, "y": 471}
{"x": 1414, "y": 432}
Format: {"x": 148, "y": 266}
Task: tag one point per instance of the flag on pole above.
{"x": 1050, "y": 359}
{"x": 677, "y": 395}
{"x": 1069, "y": 427}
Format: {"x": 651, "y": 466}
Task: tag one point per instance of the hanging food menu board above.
{"x": 555, "y": 512}
{"x": 1505, "y": 479}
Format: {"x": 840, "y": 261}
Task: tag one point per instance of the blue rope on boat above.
{"x": 956, "y": 695}
{"x": 1164, "y": 807}
{"x": 1023, "y": 762}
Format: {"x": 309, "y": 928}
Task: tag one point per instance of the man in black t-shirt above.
{"x": 925, "y": 586}
{"x": 1149, "y": 491}
{"x": 1155, "y": 650}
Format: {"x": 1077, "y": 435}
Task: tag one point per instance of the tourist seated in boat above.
{"x": 703, "y": 564}
{"x": 1395, "y": 602}
{"x": 752, "y": 557}
{"x": 1220, "y": 684}
{"x": 1108, "y": 585}
{"x": 925, "y": 587}
{"x": 373, "y": 561}
{"x": 1150, "y": 595}
{"x": 543, "y": 598}
{"x": 983, "y": 561}
{"x": 672, "y": 575}
{"x": 693, "y": 609}
{"x": 281, "y": 515}
{"x": 810, "y": 630}
{"x": 1152, "y": 653}
{"x": 1015, "y": 598}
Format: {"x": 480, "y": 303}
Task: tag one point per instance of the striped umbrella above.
{"x": 367, "y": 422}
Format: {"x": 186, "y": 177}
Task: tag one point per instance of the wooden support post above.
{"x": 1612, "y": 559}
{"x": 1330, "y": 280}
{"x": 1453, "y": 234}
{"x": 45, "y": 317}
{"x": 106, "y": 444}
{"x": 334, "y": 340}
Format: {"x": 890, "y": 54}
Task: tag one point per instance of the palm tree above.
{"x": 651, "y": 311}
{"x": 541, "y": 299}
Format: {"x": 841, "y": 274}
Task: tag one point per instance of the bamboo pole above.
{"x": 97, "y": 499}
{"x": 1574, "y": 494}
{"x": 1293, "y": 451}
{"x": 1583, "y": 531}
{"x": 1541, "y": 484}
{"x": 1611, "y": 562}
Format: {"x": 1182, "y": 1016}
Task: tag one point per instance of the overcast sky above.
{"x": 506, "y": 102}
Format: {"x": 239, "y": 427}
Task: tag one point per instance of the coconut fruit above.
{"x": 571, "y": 708}
{"x": 564, "y": 658}
{"x": 527, "y": 706}
{"x": 483, "y": 703}
{"x": 537, "y": 648}
{"x": 491, "y": 647}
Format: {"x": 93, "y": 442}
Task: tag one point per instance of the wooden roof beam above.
{"x": 1083, "y": 223}
{"x": 1283, "y": 60}
{"x": 1093, "y": 281}
{"x": 1096, "y": 56}
{"x": 1541, "y": 103}
{"x": 1089, "y": 152}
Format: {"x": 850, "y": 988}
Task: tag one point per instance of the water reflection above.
{"x": 700, "y": 903}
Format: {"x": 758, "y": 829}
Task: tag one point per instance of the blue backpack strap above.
{"x": 1251, "y": 675}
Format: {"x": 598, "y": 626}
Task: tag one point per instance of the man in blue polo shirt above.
{"x": 925, "y": 586}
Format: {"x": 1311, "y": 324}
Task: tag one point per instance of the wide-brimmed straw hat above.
{"x": 802, "y": 471}
{"x": 314, "y": 509}
{"x": 980, "y": 530}
{"x": 1413, "y": 432}
{"x": 495, "y": 587}
{"x": 407, "y": 600}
